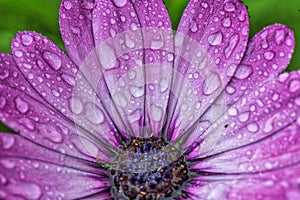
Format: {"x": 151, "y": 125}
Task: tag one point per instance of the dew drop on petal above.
{"x": 253, "y": 127}
{"x": 18, "y": 54}
{"x": 243, "y": 117}
{"x": 243, "y": 71}
{"x": 269, "y": 55}
{"x": 193, "y": 26}
{"x": 215, "y": 38}
{"x": 53, "y": 60}
{"x": 94, "y": 114}
{"x": 67, "y": 5}
{"x": 226, "y": 22}
{"x": 129, "y": 42}
{"x": 68, "y": 79}
{"x": 21, "y": 105}
{"x": 51, "y": 132}
{"x": 8, "y": 163}
{"x": 279, "y": 36}
{"x": 137, "y": 91}
{"x": 229, "y": 7}
{"x": 25, "y": 189}
{"x": 120, "y": 100}
{"x": 156, "y": 113}
{"x": 2, "y": 102}
{"x": 26, "y": 39}
{"x": 76, "y": 106}
{"x": 212, "y": 83}
{"x": 120, "y": 3}
{"x": 294, "y": 85}
{"x": 107, "y": 56}
{"x": 8, "y": 141}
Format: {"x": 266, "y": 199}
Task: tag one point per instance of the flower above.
{"x": 134, "y": 111}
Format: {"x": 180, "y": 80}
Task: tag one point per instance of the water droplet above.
{"x": 294, "y": 85}
{"x": 243, "y": 71}
{"x": 232, "y": 44}
{"x": 18, "y": 54}
{"x": 253, "y": 127}
{"x": 55, "y": 93}
{"x": 226, "y": 22}
{"x": 51, "y": 133}
{"x": 120, "y": 100}
{"x": 107, "y": 56}
{"x": 53, "y": 60}
{"x": 157, "y": 43}
{"x": 215, "y": 38}
{"x": 156, "y": 113}
{"x": 229, "y": 7}
{"x": 269, "y": 55}
{"x": 21, "y": 105}
{"x": 22, "y": 189}
{"x": 76, "y": 30}
{"x": 67, "y": 5}
{"x": 133, "y": 26}
{"x": 279, "y": 36}
{"x": 137, "y": 91}
{"x": 94, "y": 114}
{"x": 2, "y": 102}
{"x": 7, "y": 141}
{"x": 88, "y": 5}
{"x": 27, "y": 66}
{"x": 26, "y": 39}
{"x": 69, "y": 79}
{"x": 212, "y": 83}
{"x": 193, "y": 26}
{"x": 120, "y": 3}
{"x": 129, "y": 42}
{"x": 8, "y": 163}
{"x": 232, "y": 111}
{"x": 243, "y": 117}
{"x": 76, "y": 106}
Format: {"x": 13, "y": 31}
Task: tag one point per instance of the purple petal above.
{"x": 39, "y": 123}
{"x": 254, "y": 71}
{"x": 281, "y": 184}
{"x": 126, "y": 64}
{"x": 208, "y": 53}
{"x": 33, "y": 172}
{"x": 53, "y": 75}
{"x": 260, "y": 114}
{"x": 76, "y": 28}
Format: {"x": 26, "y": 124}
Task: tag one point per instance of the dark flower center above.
{"x": 149, "y": 168}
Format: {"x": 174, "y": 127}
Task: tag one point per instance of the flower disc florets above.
{"x": 149, "y": 168}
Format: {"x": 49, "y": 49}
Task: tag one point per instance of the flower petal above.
{"x": 44, "y": 126}
{"x": 281, "y": 184}
{"x": 262, "y": 113}
{"x": 210, "y": 43}
{"x": 33, "y": 172}
{"x": 254, "y": 84}
{"x": 123, "y": 32}
{"x": 53, "y": 75}
{"x": 76, "y": 28}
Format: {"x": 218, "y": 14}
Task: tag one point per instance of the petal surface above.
{"x": 130, "y": 44}
{"x": 255, "y": 94}
{"x": 53, "y": 75}
{"x": 33, "y": 172}
{"x": 207, "y": 54}
{"x": 75, "y": 19}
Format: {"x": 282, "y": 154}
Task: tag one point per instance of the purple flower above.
{"x": 135, "y": 111}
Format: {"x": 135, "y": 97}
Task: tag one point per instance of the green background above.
{"x": 42, "y": 16}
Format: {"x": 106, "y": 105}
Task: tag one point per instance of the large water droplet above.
{"x": 157, "y": 44}
{"x": 269, "y": 55}
{"x": 232, "y": 44}
{"x": 120, "y": 100}
{"x": 69, "y": 79}
{"x": 294, "y": 85}
{"x": 243, "y": 117}
{"x": 94, "y": 114}
{"x": 21, "y": 105}
{"x": 229, "y": 7}
{"x": 279, "y": 36}
{"x": 243, "y": 71}
{"x": 253, "y": 127}
{"x": 52, "y": 133}
{"x": 8, "y": 163}
{"x": 156, "y": 113}
{"x": 7, "y": 141}
{"x": 53, "y": 59}
{"x": 137, "y": 91}
{"x": 193, "y": 26}
{"x": 212, "y": 83}
{"x": 76, "y": 106}
{"x": 120, "y": 3}
{"x": 25, "y": 189}
{"x": 215, "y": 38}
{"x": 67, "y": 5}
{"x": 26, "y": 39}
{"x": 226, "y": 22}
{"x": 129, "y": 42}
{"x": 107, "y": 56}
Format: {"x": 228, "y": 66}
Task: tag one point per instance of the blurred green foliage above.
{"x": 42, "y": 17}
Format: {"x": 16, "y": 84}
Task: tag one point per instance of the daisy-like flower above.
{"x": 136, "y": 111}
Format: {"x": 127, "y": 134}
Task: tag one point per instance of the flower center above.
{"x": 149, "y": 168}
